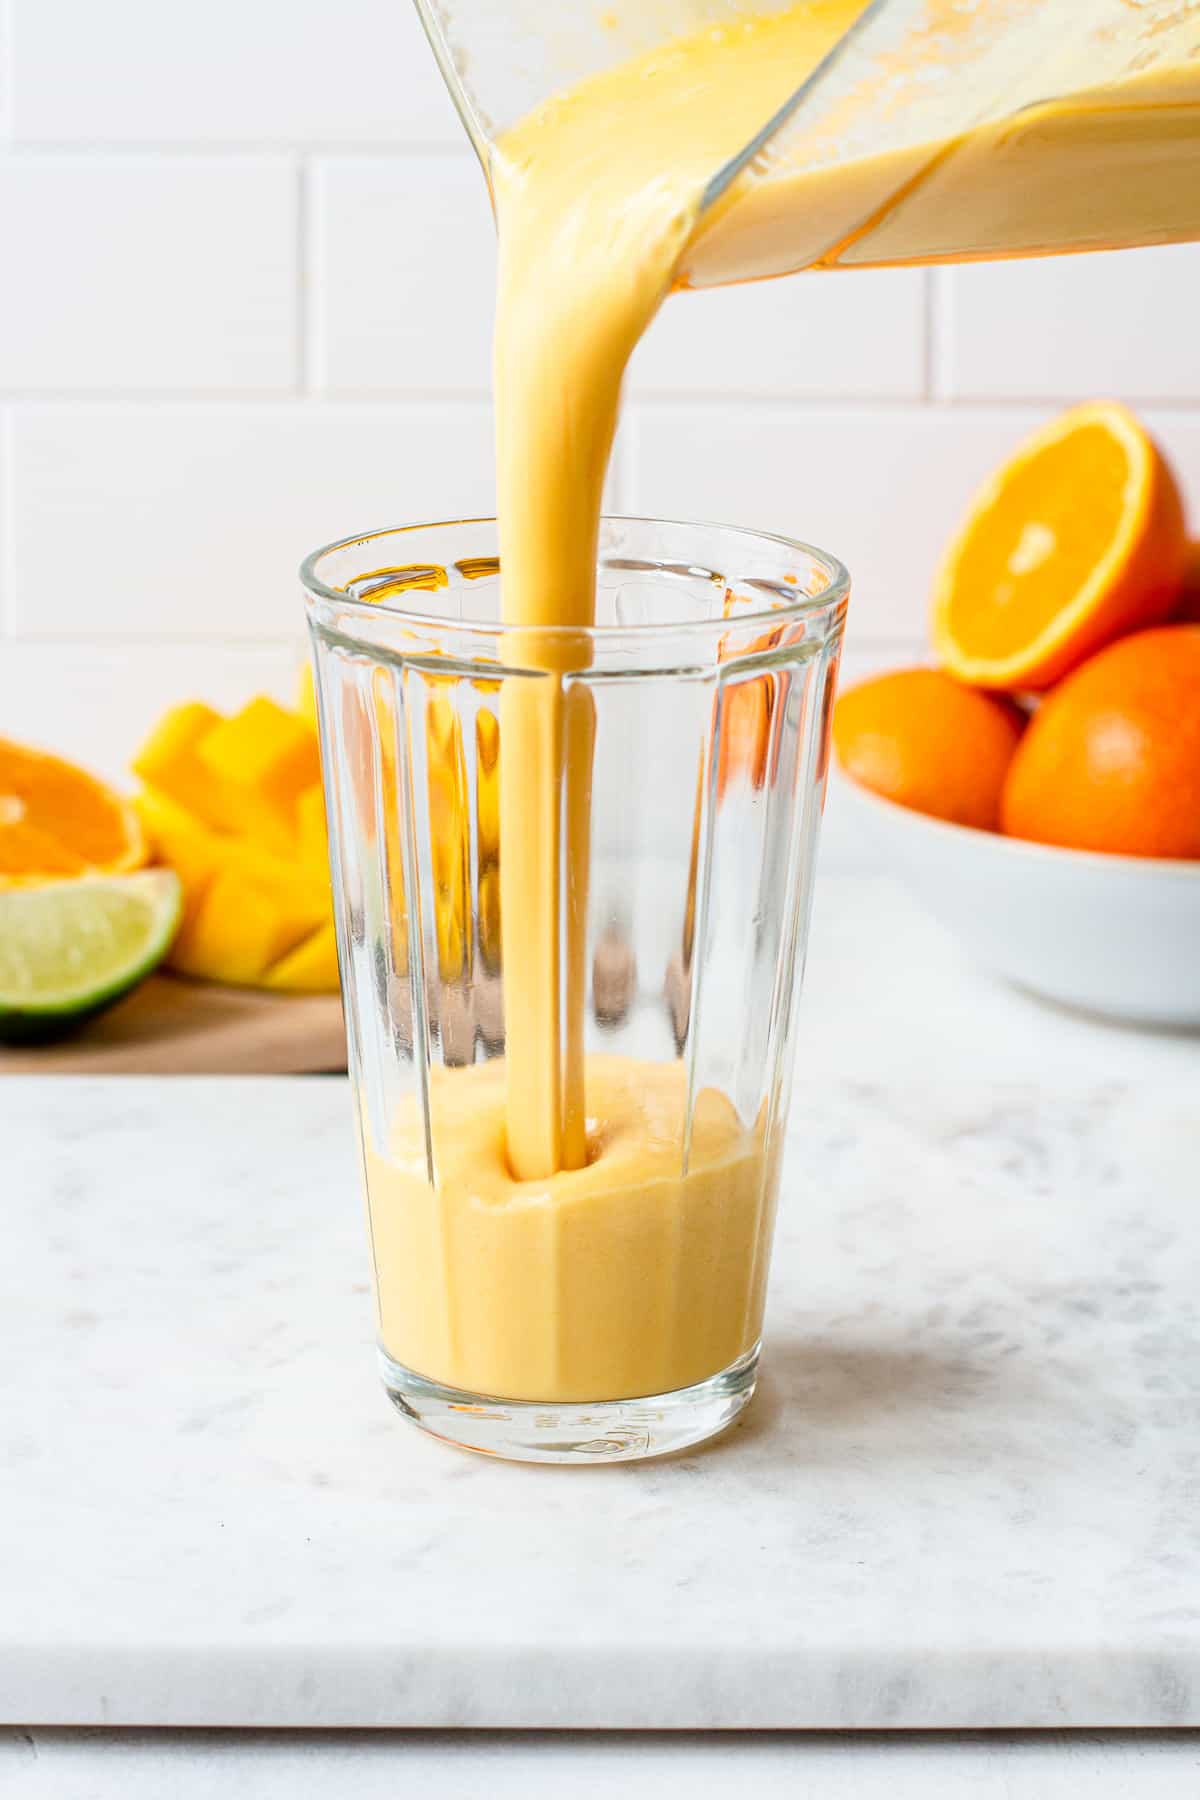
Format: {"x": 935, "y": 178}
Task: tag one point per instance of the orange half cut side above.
{"x": 1078, "y": 539}
{"x": 56, "y": 821}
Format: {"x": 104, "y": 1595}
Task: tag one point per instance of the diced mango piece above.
{"x": 196, "y": 854}
{"x": 311, "y": 968}
{"x": 303, "y": 894}
{"x": 181, "y": 840}
{"x": 487, "y": 833}
{"x": 239, "y": 929}
{"x": 169, "y": 760}
{"x": 178, "y": 837}
{"x": 294, "y": 885}
{"x": 235, "y": 807}
{"x": 383, "y": 705}
{"x": 487, "y": 784}
{"x": 262, "y": 758}
{"x": 180, "y": 729}
{"x": 450, "y": 833}
{"x": 306, "y": 694}
{"x": 265, "y": 747}
{"x": 310, "y": 824}
{"x": 489, "y": 918}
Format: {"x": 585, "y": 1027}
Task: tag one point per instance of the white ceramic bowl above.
{"x": 1118, "y": 935}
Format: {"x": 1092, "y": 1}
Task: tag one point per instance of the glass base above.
{"x": 573, "y": 1432}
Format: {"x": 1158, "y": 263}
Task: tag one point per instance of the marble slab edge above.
{"x": 596, "y": 1688}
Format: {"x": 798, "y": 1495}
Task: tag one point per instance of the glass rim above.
{"x": 783, "y": 609}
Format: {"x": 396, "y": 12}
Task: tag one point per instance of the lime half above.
{"x": 70, "y": 948}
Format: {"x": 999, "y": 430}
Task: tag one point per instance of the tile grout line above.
{"x": 285, "y": 396}
{"x": 124, "y": 644}
{"x": 147, "y": 399}
{"x": 219, "y": 150}
{"x": 848, "y": 406}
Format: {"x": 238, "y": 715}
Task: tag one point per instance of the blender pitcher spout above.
{"x": 500, "y": 62}
{"x": 928, "y": 131}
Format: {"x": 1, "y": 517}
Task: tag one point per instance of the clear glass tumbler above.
{"x": 646, "y": 879}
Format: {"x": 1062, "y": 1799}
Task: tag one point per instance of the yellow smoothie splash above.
{"x": 570, "y": 1250}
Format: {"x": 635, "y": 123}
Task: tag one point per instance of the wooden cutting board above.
{"x": 169, "y": 1026}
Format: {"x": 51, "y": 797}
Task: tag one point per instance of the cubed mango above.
{"x": 310, "y": 827}
{"x": 239, "y": 929}
{"x": 182, "y": 841}
{"x": 266, "y": 747}
{"x": 169, "y": 760}
{"x": 311, "y": 968}
{"x": 263, "y": 758}
{"x": 306, "y": 694}
{"x": 235, "y": 807}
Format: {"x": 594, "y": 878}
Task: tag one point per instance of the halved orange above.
{"x": 56, "y": 820}
{"x": 1077, "y": 539}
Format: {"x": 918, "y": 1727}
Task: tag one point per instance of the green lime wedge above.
{"x": 70, "y": 948}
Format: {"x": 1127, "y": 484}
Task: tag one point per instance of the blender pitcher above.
{"x": 932, "y": 130}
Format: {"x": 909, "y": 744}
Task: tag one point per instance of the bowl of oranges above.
{"x": 1039, "y": 787}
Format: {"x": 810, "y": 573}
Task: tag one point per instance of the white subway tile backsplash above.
{"x": 860, "y": 336}
{"x": 227, "y": 71}
{"x": 1074, "y": 327}
{"x": 402, "y": 270}
{"x": 190, "y": 521}
{"x": 175, "y": 272}
{"x": 6, "y": 597}
{"x": 97, "y": 703}
{"x": 879, "y": 487}
{"x": 5, "y": 67}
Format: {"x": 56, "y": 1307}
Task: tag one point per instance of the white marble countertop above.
{"x": 966, "y": 1495}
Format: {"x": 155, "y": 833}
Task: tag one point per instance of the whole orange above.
{"x": 1111, "y": 760}
{"x": 924, "y": 740}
